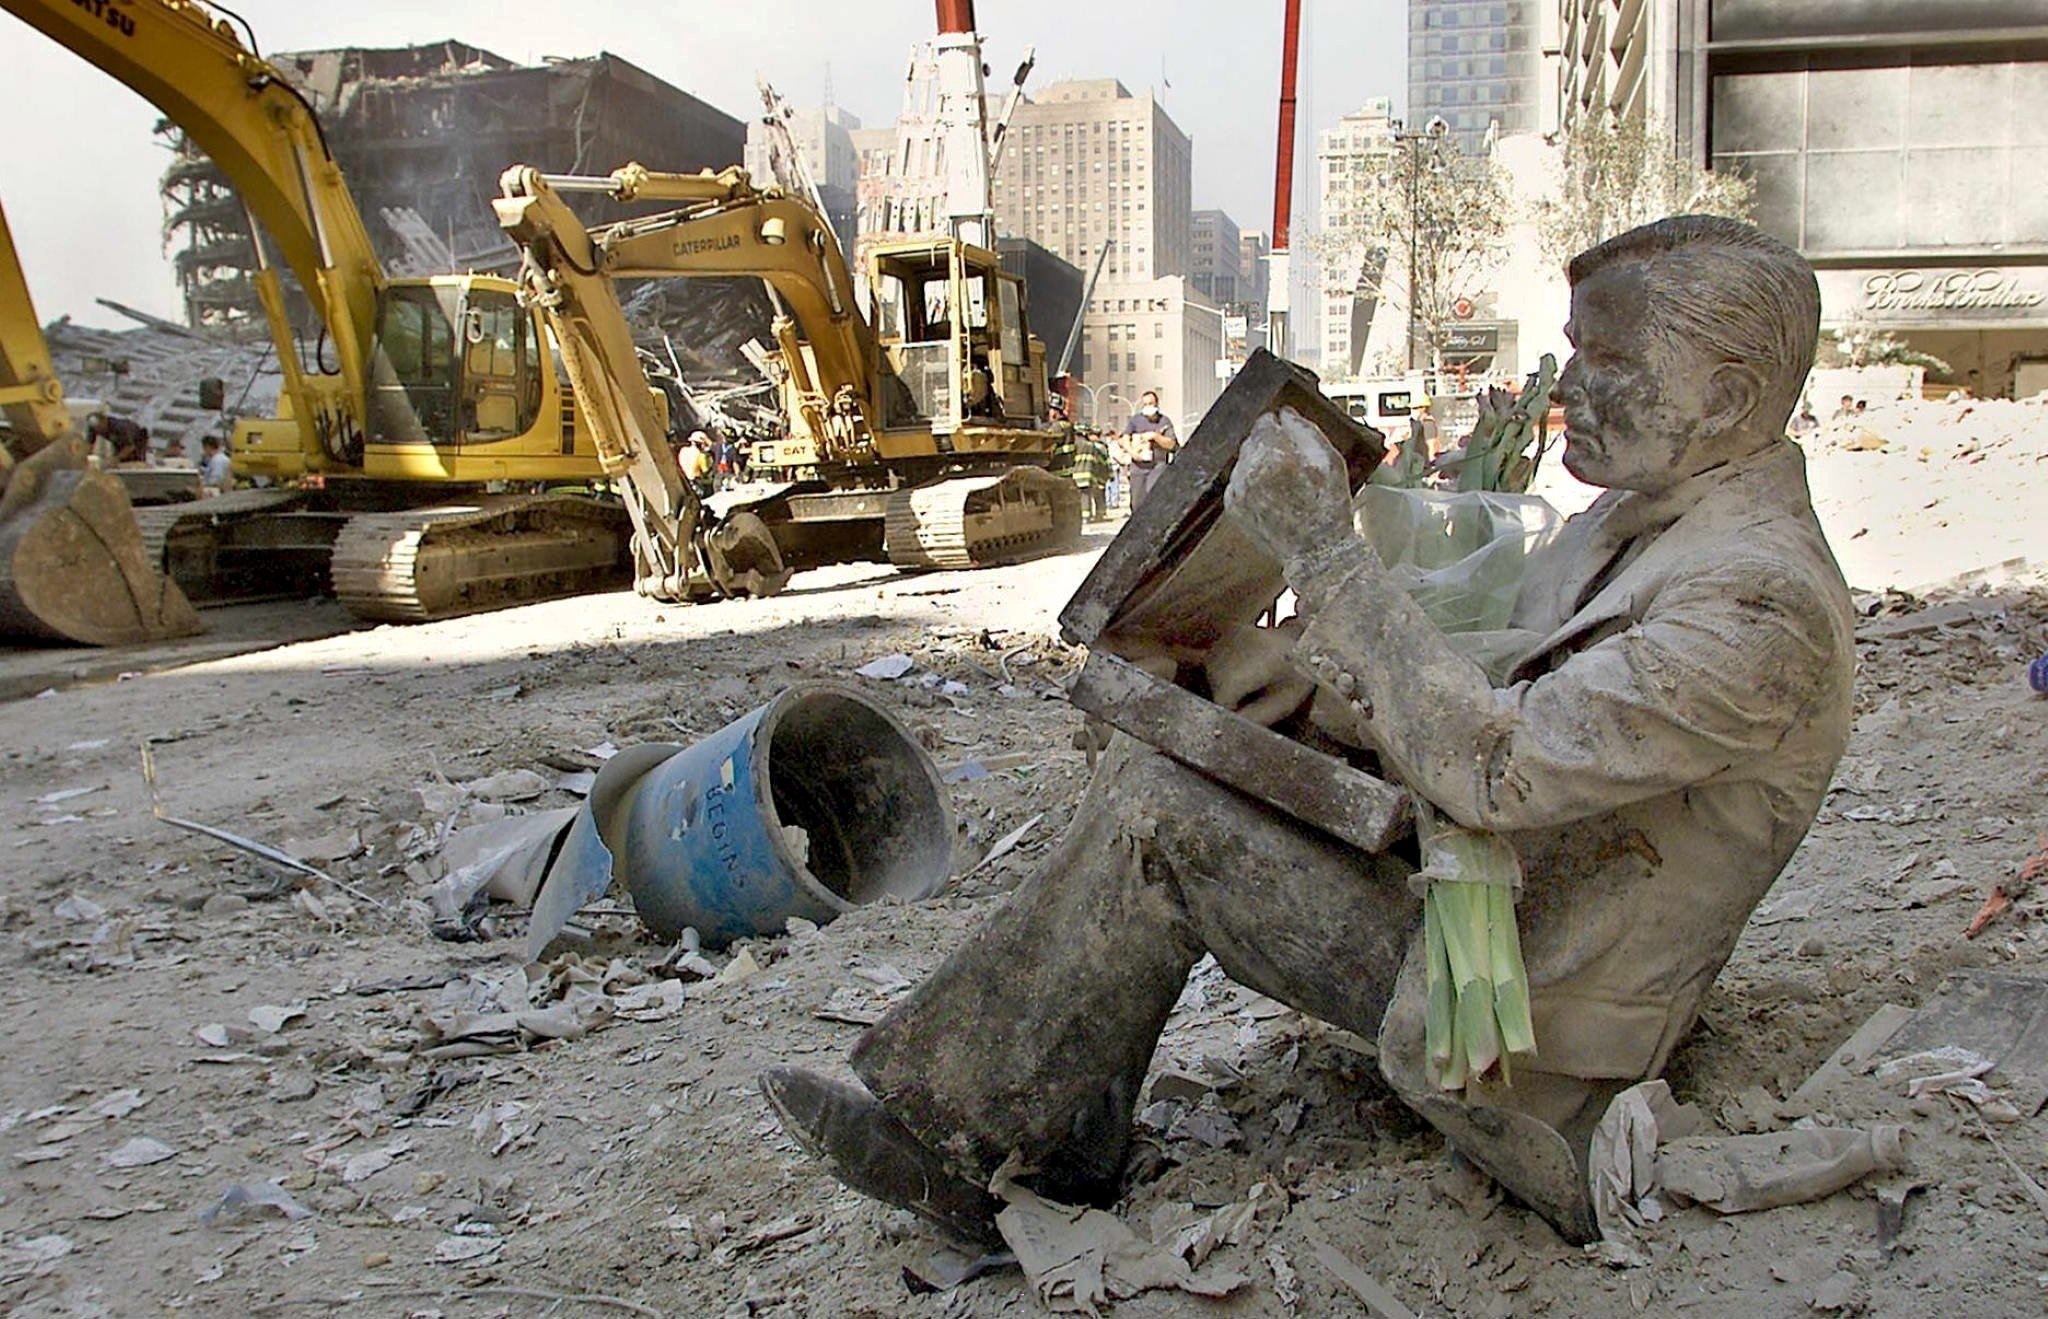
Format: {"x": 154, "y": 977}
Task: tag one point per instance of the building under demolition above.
{"x": 422, "y": 134}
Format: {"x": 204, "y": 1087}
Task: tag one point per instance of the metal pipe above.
{"x": 956, "y": 15}
{"x": 580, "y": 182}
{"x": 1283, "y": 166}
{"x": 1074, "y": 334}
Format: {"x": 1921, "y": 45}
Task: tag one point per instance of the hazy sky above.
{"x": 78, "y": 173}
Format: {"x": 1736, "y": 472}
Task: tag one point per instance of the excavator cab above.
{"x": 950, "y": 323}
{"x": 456, "y": 364}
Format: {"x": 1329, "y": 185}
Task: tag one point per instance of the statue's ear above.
{"x": 1734, "y": 394}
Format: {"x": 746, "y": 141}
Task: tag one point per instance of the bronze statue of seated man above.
{"x": 1653, "y": 758}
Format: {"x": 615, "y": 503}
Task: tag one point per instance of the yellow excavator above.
{"x": 412, "y": 457}
{"x": 916, "y": 438}
{"x": 72, "y": 564}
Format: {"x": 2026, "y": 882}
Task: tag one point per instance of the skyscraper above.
{"x": 1218, "y": 253}
{"x": 1478, "y": 64}
{"x": 1087, "y": 161}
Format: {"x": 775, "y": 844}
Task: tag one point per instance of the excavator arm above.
{"x": 568, "y": 273}
{"x": 31, "y": 399}
{"x": 186, "y": 60}
{"x": 726, "y": 226}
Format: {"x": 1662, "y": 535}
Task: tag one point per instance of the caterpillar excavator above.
{"x": 916, "y": 438}
{"x": 72, "y": 565}
{"x": 411, "y": 457}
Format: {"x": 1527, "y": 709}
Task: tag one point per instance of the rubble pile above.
{"x": 1957, "y": 429}
{"x": 151, "y": 373}
{"x": 423, "y": 133}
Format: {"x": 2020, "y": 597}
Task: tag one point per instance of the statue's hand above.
{"x": 1289, "y": 491}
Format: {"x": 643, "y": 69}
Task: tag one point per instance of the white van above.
{"x": 1384, "y": 405}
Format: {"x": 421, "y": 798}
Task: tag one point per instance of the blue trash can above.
{"x": 813, "y": 804}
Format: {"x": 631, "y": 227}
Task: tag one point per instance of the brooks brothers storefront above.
{"x": 1902, "y": 145}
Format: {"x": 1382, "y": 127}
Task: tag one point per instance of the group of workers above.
{"x": 710, "y": 461}
{"x": 1131, "y": 458}
{"x": 121, "y": 441}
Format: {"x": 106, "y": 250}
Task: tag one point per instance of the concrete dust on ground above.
{"x": 232, "y": 1090}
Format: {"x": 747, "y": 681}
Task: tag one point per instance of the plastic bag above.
{"x": 1461, "y": 555}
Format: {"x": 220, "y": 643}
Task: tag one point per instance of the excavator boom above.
{"x": 417, "y": 466}
{"x": 185, "y": 59}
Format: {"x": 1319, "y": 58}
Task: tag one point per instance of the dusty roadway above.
{"x": 637, "y": 1165}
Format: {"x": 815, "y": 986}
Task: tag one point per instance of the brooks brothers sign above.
{"x": 1938, "y": 294}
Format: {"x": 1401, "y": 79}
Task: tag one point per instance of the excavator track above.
{"x": 983, "y": 521}
{"x": 160, "y": 523}
{"x": 427, "y": 563}
{"x": 207, "y": 546}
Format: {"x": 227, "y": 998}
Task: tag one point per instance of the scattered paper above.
{"x": 511, "y": 785}
{"x": 888, "y": 668}
{"x": 35, "y": 1255}
{"x": 1078, "y": 1259}
{"x": 253, "y": 1200}
{"x": 75, "y": 908}
{"x": 270, "y": 1019}
{"x": 655, "y": 1002}
{"x": 1008, "y": 842}
{"x": 117, "y": 1104}
{"x": 1623, "y": 1160}
{"x": 741, "y": 967}
{"x": 461, "y": 1250}
{"x": 362, "y": 1167}
{"x": 140, "y": 1153}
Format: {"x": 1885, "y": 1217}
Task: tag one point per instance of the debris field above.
{"x": 240, "y": 1087}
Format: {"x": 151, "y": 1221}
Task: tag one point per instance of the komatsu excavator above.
{"x": 72, "y": 565}
{"x": 917, "y": 438}
{"x": 413, "y": 467}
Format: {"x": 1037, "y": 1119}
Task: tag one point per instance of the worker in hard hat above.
{"x": 698, "y": 464}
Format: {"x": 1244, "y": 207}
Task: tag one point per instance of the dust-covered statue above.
{"x": 1653, "y": 756}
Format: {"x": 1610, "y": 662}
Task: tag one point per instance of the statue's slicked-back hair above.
{"x": 1728, "y": 287}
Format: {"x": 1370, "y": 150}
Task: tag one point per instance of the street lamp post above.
{"x": 1434, "y": 134}
{"x": 1107, "y": 389}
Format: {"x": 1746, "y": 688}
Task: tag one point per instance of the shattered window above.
{"x": 1012, "y": 314}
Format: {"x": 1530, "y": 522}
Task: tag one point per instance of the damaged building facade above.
{"x": 422, "y": 134}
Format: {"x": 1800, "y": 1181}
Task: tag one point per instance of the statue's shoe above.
{"x": 876, "y": 1155}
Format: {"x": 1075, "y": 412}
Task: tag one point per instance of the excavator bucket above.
{"x": 72, "y": 567}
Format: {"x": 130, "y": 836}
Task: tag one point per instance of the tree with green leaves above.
{"x": 1619, "y": 174}
{"x": 1420, "y": 227}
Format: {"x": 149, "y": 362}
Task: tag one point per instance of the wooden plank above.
{"x": 1180, "y": 574}
{"x": 1314, "y": 788}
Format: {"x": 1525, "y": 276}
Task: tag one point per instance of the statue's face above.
{"x": 1633, "y": 406}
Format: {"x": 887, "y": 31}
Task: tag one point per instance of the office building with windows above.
{"x": 1478, "y": 65}
{"x": 1088, "y": 163}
